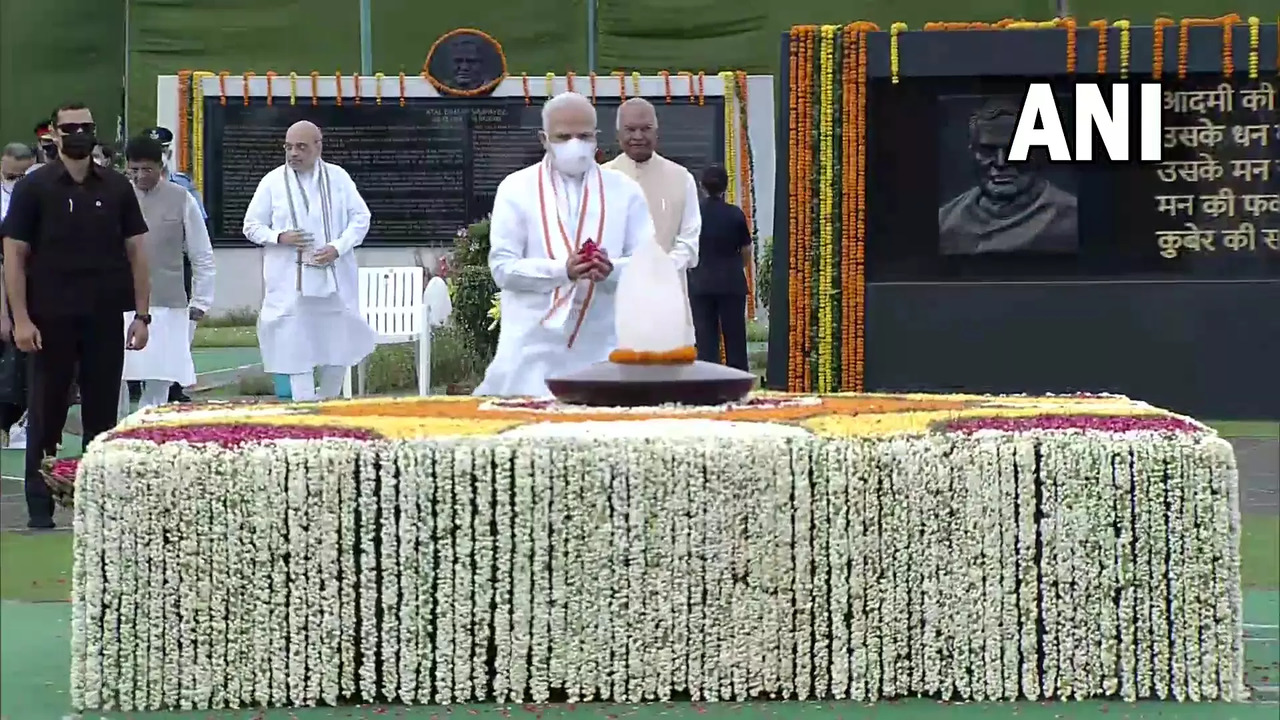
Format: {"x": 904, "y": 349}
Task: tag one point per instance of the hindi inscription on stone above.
{"x": 425, "y": 169}
{"x": 1219, "y": 184}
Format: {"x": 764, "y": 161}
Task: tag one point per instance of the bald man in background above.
{"x": 669, "y": 188}
{"x": 309, "y": 217}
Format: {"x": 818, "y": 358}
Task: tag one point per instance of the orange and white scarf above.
{"x": 560, "y": 245}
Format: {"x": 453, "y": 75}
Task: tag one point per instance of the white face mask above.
{"x": 572, "y": 157}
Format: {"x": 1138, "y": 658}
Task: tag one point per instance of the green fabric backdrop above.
{"x": 54, "y": 50}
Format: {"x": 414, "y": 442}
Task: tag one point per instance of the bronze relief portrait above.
{"x": 465, "y": 63}
{"x": 991, "y": 205}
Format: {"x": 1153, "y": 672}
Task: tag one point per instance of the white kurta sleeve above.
{"x": 257, "y": 217}
{"x": 358, "y": 215}
{"x": 684, "y": 249}
{"x": 639, "y": 230}
{"x": 200, "y": 253}
{"x": 508, "y": 236}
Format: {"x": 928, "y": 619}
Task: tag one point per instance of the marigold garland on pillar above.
{"x": 827, "y": 207}
{"x": 1101, "y": 27}
{"x": 244, "y": 86}
{"x": 1157, "y": 46}
{"x": 1226, "y": 22}
{"x": 746, "y": 161}
{"x": 377, "y": 87}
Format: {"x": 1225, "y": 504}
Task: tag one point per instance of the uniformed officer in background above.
{"x": 164, "y": 136}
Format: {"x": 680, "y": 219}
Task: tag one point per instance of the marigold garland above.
{"x": 197, "y": 128}
{"x": 857, "y": 276}
{"x": 666, "y": 85}
{"x": 524, "y": 86}
{"x": 403, "y": 95}
{"x": 271, "y": 93}
{"x": 680, "y": 356}
{"x": 355, "y": 80}
{"x": 1101, "y": 27}
{"x": 1123, "y": 25}
{"x": 337, "y": 84}
{"x": 747, "y": 165}
{"x": 315, "y": 88}
{"x": 895, "y": 30}
{"x": 622, "y": 85}
{"x": 1254, "y": 32}
{"x": 568, "y": 81}
{"x": 591, "y": 80}
{"x": 824, "y": 285}
{"x": 635, "y": 83}
{"x": 184, "y": 123}
{"x": 293, "y": 88}
{"x": 222, "y": 87}
{"x": 1157, "y": 46}
{"x": 702, "y": 88}
{"x": 551, "y": 78}
{"x": 1226, "y": 22}
{"x": 377, "y": 88}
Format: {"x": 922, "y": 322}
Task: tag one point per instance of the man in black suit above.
{"x": 718, "y": 283}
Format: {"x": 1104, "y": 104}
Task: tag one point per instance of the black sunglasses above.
{"x": 74, "y": 128}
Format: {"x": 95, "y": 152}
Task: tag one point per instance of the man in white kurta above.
{"x": 669, "y": 189}
{"x": 175, "y": 228}
{"x": 557, "y": 303}
{"x": 309, "y": 217}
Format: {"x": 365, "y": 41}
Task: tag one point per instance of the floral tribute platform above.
{"x": 442, "y": 550}
{"x": 447, "y": 550}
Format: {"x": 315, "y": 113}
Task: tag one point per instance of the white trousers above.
{"x": 305, "y": 388}
{"x": 154, "y": 392}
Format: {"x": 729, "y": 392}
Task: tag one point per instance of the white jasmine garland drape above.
{"x": 751, "y": 560}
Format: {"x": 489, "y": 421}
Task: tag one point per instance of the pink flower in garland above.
{"x": 235, "y": 435}
{"x": 1100, "y": 423}
{"x": 64, "y": 468}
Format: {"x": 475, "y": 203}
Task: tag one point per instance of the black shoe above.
{"x": 40, "y": 523}
{"x": 176, "y": 394}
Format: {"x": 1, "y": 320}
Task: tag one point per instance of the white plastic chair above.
{"x": 391, "y": 300}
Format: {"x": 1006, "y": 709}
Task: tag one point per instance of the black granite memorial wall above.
{"x": 1164, "y": 280}
{"x": 425, "y": 169}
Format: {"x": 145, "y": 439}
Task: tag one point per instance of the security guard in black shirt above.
{"x": 74, "y": 265}
{"x": 718, "y": 284}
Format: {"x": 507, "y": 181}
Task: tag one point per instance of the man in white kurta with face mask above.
{"x": 309, "y": 218}
{"x": 558, "y": 294}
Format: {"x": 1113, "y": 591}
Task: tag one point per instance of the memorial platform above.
{"x": 452, "y": 550}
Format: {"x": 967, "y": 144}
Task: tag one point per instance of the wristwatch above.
{"x": 144, "y": 318}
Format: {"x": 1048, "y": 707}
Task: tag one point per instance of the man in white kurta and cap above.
{"x": 669, "y": 189}
{"x": 561, "y": 233}
{"x": 309, "y": 218}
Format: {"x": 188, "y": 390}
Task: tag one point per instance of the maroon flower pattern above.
{"x": 1100, "y": 423}
{"x": 232, "y": 436}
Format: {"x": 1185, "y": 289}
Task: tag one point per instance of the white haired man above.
{"x": 668, "y": 187}
{"x": 561, "y": 232}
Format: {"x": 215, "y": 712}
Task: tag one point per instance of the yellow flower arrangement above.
{"x": 1123, "y": 25}
{"x": 1254, "y": 32}
{"x": 895, "y": 30}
